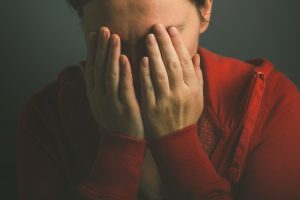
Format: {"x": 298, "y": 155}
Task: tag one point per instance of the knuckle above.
{"x": 155, "y": 54}
{"x": 110, "y": 80}
{"x": 178, "y": 99}
{"x": 111, "y": 76}
{"x": 197, "y": 95}
{"x": 124, "y": 87}
{"x": 196, "y": 89}
{"x": 157, "y": 110}
{"x": 161, "y": 77}
{"x": 172, "y": 64}
{"x": 148, "y": 88}
{"x": 123, "y": 74}
{"x": 178, "y": 102}
{"x": 184, "y": 61}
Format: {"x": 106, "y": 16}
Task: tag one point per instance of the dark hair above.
{"x": 77, "y": 5}
{"x": 199, "y": 4}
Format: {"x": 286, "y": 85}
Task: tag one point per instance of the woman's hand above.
{"x": 109, "y": 85}
{"x": 171, "y": 84}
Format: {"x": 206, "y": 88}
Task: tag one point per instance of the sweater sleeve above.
{"x": 116, "y": 171}
{"x": 185, "y": 168}
{"x": 41, "y": 174}
{"x": 273, "y": 167}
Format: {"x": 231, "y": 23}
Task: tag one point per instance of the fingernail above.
{"x": 145, "y": 62}
{"x": 159, "y": 28}
{"x": 100, "y": 29}
{"x": 172, "y": 31}
{"x": 103, "y": 34}
{"x": 151, "y": 39}
{"x": 112, "y": 41}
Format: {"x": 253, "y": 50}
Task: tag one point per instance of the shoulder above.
{"x": 283, "y": 91}
{"x": 48, "y": 95}
{"x": 53, "y": 120}
{"x": 41, "y": 112}
{"x": 274, "y": 149}
{"x": 281, "y": 109}
{"x": 229, "y": 85}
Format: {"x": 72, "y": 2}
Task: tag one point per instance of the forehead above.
{"x": 133, "y": 18}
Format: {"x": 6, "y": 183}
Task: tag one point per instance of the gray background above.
{"x": 39, "y": 38}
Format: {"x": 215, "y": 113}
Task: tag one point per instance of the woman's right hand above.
{"x": 109, "y": 85}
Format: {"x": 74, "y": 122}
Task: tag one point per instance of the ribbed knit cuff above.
{"x": 183, "y": 165}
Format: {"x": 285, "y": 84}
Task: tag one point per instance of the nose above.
{"x": 134, "y": 52}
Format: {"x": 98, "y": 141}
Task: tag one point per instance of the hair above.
{"x": 77, "y": 5}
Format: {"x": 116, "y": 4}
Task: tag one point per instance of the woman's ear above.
{"x": 205, "y": 11}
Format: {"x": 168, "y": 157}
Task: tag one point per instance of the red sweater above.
{"x": 245, "y": 145}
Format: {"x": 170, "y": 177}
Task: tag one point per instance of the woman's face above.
{"x": 132, "y": 21}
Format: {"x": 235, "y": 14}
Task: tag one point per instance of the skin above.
{"x": 159, "y": 88}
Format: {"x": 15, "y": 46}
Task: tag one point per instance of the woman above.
{"x": 150, "y": 115}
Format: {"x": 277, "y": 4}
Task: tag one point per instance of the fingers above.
{"x": 169, "y": 56}
{"x": 126, "y": 89}
{"x": 157, "y": 68}
{"x": 108, "y": 79}
{"x": 101, "y": 59}
{"x": 113, "y": 67}
{"x": 188, "y": 71}
{"x": 147, "y": 92}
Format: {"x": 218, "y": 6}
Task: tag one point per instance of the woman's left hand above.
{"x": 171, "y": 84}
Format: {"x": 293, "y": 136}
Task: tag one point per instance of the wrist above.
{"x": 153, "y": 135}
{"x": 131, "y": 134}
